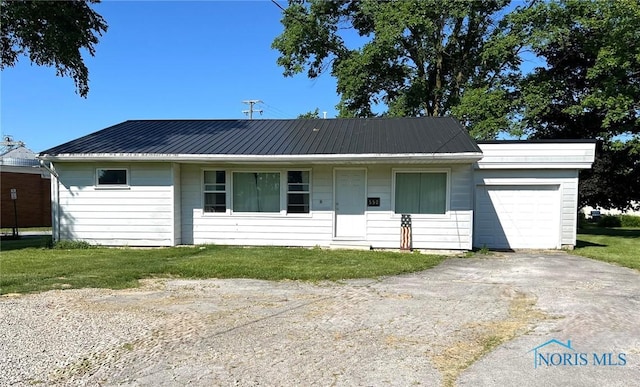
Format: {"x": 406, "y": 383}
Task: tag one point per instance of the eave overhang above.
{"x": 534, "y": 165}
{"x": 383, "y": 158}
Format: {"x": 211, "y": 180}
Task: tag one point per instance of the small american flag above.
{"x": 405, "y": 232}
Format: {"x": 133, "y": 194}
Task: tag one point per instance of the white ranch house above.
{"x": 328, "y": 183}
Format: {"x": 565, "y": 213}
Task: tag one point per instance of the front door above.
{"x": 350, "y": 203}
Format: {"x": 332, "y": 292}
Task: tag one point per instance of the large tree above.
{"x": 414, "y": 58}
{"x": 463, "y": 58}
{"x": 51, "y": 33}
{"x": 588, "y": 87}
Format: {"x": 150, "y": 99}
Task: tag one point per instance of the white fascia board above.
{"x": 530, "y": 165}
{"x": 537, "y": 155}
{"x": 466, "y": 157}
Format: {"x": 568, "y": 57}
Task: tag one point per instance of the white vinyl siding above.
{"x": 259, "y": 228}
{"x": 166, "y": 203}
{"x": 141, "y": 215}
{"x": 451, "y": 231}
{"x": 561, "y": 214}
{"x": 519, "y": 165}
{"x": 536, "y": 155}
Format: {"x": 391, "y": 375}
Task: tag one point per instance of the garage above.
{"x": 517, "y": 216}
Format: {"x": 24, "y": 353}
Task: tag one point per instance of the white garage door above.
{"x": 517, "y": 217}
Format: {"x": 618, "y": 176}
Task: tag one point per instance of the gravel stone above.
{"x": 246, "y": 332}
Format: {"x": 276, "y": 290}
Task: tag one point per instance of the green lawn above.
{"x": 620, "y": 246}
{"x": 26, "y": 266}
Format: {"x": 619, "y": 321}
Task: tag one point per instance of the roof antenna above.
{"x": 250, "y": 111}
{"x": 7, "y": 144}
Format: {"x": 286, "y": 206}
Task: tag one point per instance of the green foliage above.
{"x": 614, "y": 179}
{"x": 31, "y": 269}
{"x": 609, "y": 221}
{"x": 582, "y": 220}
{"x": 630, "y": 221}
{"x": 587, "y": 87}
{"x": 418, "y": 58}
{"x": 485, "y": 111}
{"x": 463, "y": 58}
{"x": 72, "y": 245}
{"x": 619, "y": 221}
{"x": 51, "y": 33}
{"x": 310, "y": 115}
{"x": 590, "y": 83}
{"x": 614, "y": 245}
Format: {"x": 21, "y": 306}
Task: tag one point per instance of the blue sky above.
{"x": 162, "y": 59}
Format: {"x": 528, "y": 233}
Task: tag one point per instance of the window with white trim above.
{"x": 215, "y": 191}
{"x": 420, "y": 192}
{"x": 298, "y": 192}
{"x": 109, "y": 177}
{"x": 256, "y": 191}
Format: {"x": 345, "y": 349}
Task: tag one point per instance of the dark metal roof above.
{"x": 276, "y": 137}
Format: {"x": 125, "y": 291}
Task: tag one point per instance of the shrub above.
{"x": 619, "y": 221}
{"x": 630, "y": 220}
{"x": 582, "y": 219}
{"x": 73, "y": 245}
{"x": 609, "y": 221}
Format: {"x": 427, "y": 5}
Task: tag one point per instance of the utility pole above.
{"x": 250, "y": 111}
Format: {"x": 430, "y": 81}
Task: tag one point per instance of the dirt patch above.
{"x": 478, "y": 339}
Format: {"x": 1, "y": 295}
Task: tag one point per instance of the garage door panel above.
{"x": 517, "y": 216}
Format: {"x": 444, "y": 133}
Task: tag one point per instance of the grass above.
{"x": 27, "y": 266}
{"x": 620, "y": 246}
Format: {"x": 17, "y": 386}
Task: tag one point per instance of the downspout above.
{"x": 49, "y": 168}
{"x": 55, "y": 202}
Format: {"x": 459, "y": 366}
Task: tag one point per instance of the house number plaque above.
{"x": 373, "y": 202}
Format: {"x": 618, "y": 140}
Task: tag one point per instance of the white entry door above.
{"x": 350, "y": 203}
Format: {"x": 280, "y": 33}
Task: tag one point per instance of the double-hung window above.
{"x": 421, "y": 193}
{"x": 298, "y": 192}
{"x": 215, "y": 191}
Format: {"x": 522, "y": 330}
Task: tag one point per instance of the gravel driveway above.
{"x": 470, "y": 321}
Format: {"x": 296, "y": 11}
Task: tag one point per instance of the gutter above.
{"x": 314, "y": 158}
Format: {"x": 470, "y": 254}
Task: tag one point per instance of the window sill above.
{"x": 112, "y": 188}
{"x": 446, "y": 215}
{"x": 229, "y": 214}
